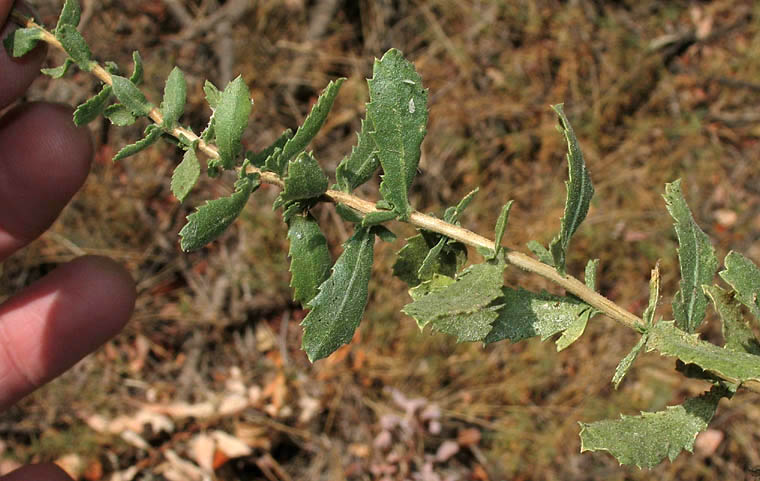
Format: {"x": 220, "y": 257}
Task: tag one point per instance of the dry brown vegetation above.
{"x": 655, "y": 90}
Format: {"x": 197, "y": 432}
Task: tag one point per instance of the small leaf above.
{"x": 447, "y": 261}
{"x": 119, "y": 115}
{"x": 669, "y": 340}
{"x": 744, "y": 277}
{"x": 397, "y": 113}
{"x": 625, "y": 364}
{"x": 357, "y": 168}
{"x": 541, "y": 252}
{"x": 579, "y": 193}
{"x": 259, "y": 158}
{"x": 59, "y": 71}
{"x": 462, "y": 309}
{"x": 231, "y": 120}
{"x": 337, "y": 309}
{"x": 452, "y": 215}
{"x": 186, "y": 175}
{"x": 696, "y": 256}
{"x": 575, "y": 330}
{"x": 175, "y": 96}
{"x": 501, "y": 226}
{"x": 736, "y": 330}
{"x": 309, "y": 257}
{"x": 305, "y": 179}
{"x": 70, "y": 14}
{"x": 213, "y": 95}
{"x": 131, "y": 96}
{"x": 312, "y": 124}
{"x": 152, "y": 134}
{"x": 654, "y": 295}
{"x": 348, "y": 214}
{"x": 434, "y": 284}
{"x": 647, "y": 439}
{"x": 378, "y": 217}
{"x": 137, "y": 71}
{"x": 215, "y": 216}
{"x": 91, "y": 109}
{"x": 76, "y": 46}
{"x": 22, "y": 41}
{"x": 432, "y": 259}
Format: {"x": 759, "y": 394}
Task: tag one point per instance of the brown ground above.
{"x": 656, "y": 91}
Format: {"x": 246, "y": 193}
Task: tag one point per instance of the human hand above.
{"x": 55, "y": 322}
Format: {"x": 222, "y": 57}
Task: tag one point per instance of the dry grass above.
{"x": 644, "y": 115}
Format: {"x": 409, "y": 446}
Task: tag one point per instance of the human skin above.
{"x": 53, "y": 323}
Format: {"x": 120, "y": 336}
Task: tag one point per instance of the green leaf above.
{"x": 22, "y": 41}
{"x": 378, "y": 217}
{"x": 309, "y": 257}
{"x": 259, "y": 158}
{"x": 697, "y": 258}
{"x": 348, "y": 214}
{"x": 304, "y": 180}
{"x": 527, "y": 314}
{"x": 119, "y": 115}
{"x": 452, "y": 215}
{"x": 131, "y": 96}
{"x": 338, "y": 307}
{"x": 152, "y": 134}
{"x": 579, "y": 193}
{"x": 447, "y": 261}
{"x": 76, "y": 46}
{"x": 397, "y": 113}
{"x": 186, "y": 175}
{"x": 575, "y": 330}
{"x": 91, "y": 109}
{"x": 175, "y": 96}
{"x": 137, "y": 71}
{"x": 501, "y": 226}
{"x": 231, "y": 120}
{"x": 59, "y": 71}
{"x": 625, "y": 364}
{"x": 589, "y": 275}
{"x": 647, "y": 439}
{"x": 463, "y": 309}
{"x": 541, "y": 252}
{"x": 736, "y": 330}
{"x": 669, "y": 340}
{"x": 654, "y": 295}
{"x": 357, "y": 168}
{"x": 215, "y": 216}
{"x": 744, "y": 277}
{"x": 70, "y": 14}
{"x": 435, "y": 283}
{"x": 312, "y": 124}
{"x": 213, "y": 95}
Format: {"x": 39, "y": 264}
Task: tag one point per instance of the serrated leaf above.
{"x": 397, "y": 112}
{"x": 625, "y": 364}
{"x": 734, "y": 366}
{"x": 92, "y": 108}
{"x": 259, "y": 158}
{"x": 152, "y": 134}
{"x": 304, "y": 180}
{"x": 736, "y": 330}
{"x": 412, "y": 256}
{"x": 579, "y": 192}
{"x": 463, "y": 308}
{"x": 526, "y": 314}
{"x": 70, "y": 14}
{"x": 501, "y": 226}
{"x": 453, "y": 214}
{"x": 22, "y": 41}
{"x": 59, "y": 71}
{"x": 696, "y": 257}
{"x": 210, "y": 220}
{"x": 175, "y": 96}
{"x": 309, "y": 257}
{"x": 231, "y": 120}
{"x": 654, "y": 295}
{"x": 130, "y": 96}
{"x": 186, "y": 175}
{"x": 338, "y": 307}
{"x": 435, "y": 283}
{"x": 137, "y": 70}
{"x": 648, "y": 439}
{"x": 312, "y": 124}
{"x": 575, "y": 330}
{"x": 119, "y": 115}
{"x": 541, "y": 252}
{"x": 357, "y": 168}
{"x": 744, "y": 276}
{"x": 76, "y": 46}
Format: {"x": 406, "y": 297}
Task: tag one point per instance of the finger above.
{"x": 37, "y": 472}
{"x": 44, "y": 160}
{"x": 16, "y": 73}
{"x": 58, "y": 320}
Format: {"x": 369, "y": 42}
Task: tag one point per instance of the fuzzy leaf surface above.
{"x": 92, "y": 108}
{"x": 310, "y": 260}
{"x": 210, "y": 220}
{"x": 625, "y": 364}
{"x": 447, "y": 261}
{"x": 579, "y": 192}
{"x": 75, "y": 45}
{"x": 671, "y": 341}
{"x": 70, "y": 14}
{"x": 696, "y": 257}
{"x": 337, "y": 309}
{"x": 452, "y": 214}
{"x": 119, "y": 115}
{"x": 231, "y": 120}
{"x": 462, "y": 309}
{"x": 59, "y": 71}
{"x": 130, "y": 96}
{"x": 575, "y": 330}
{"x": 654, "y": 296}
{"x": 648, "y": 439}
{"x": 175, "y": 96}
{"x": 744, "y": 276}
{"x": 501, "y": 225}
{"x": 186, "y": 175}
{"x": 304, "y": 180}
{"x": 152, "y": 134}
{"x": 398, "y": 114}
{"x": 736, "y": 330}
{"x": 357, "y": 168}
{"x": 137, "y": 70}
{"x": 259, "y": 158}
{"x": 22, "y": 41}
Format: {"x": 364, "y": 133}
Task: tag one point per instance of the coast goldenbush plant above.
{"x": 469, "y": 302}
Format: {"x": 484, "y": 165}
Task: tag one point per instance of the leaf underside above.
{"x": 736, "y": 330}
{"x": 175, "y": 96}
{"x": 231, "y": 119}
{"x": 359, "y": 167}
{"x": 744, "y": 276}
{"x": 186, "y": 175}
{"x": 309, "y": 257}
